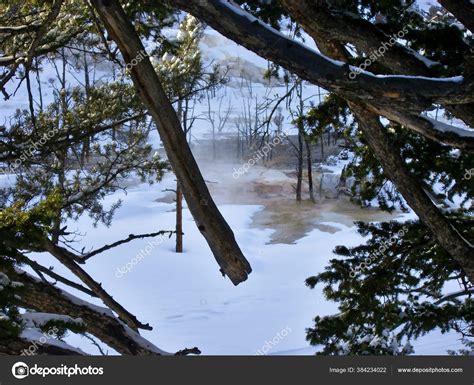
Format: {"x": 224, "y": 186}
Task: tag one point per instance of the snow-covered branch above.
{"x": 399, "y": 98}
{"x": 98, "y": 321}
{"x": 240, "y": 26}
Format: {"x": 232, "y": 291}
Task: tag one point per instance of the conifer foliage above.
{"x": 68, "y": 156}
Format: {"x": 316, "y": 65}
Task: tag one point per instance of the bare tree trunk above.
{"x": 309, "y": 159}
{"x": 209, "y": 220}
{"x": 301, "y": 141}
{"x": 87, "y": 142}
{"x": 212, "y": 119}
{"x": 299, "y": 169}
{"x": 179, "y": 193}
{"x": 62, "y": 153}
{"x": 238, "y": 143}
{"x": 40, "y": 90}
{"x": 179, "y": 219}
{"x": 321, "y": 140}
{"x": 321, "y": 186}
{"x": 214, "y": 143}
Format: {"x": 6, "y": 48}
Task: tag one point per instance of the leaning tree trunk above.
{"x": 209, "y": 220}
{"x": 394, "y": 167}
{"x": 463, "y": 10}
{"x": 448, "y": 237}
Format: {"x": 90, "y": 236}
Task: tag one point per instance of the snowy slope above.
{"x": 187, "y": 300}
{"x": 183, "y": 295}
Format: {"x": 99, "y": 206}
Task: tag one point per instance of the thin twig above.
{"x": 130, "y": 238}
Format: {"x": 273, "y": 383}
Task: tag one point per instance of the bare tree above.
{"x": 218, "y": 118}
{"x": 398, "y": 98}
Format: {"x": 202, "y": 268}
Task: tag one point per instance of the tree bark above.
{"x": 309, "y": 160}
{"x": 44, "y": 297}
{"x": 299, "y": 168}
{"x": 62, "y": 256}
{"x": 394, "y": 167}
{"x": 179, "y": 219}
{"x": 209, "y": 220}
{"x": 318, "y": 20}
{"x": 15, "y": 346}
{"x": 179, "y": 192}
{"x": 463, "y": 10}
{"x": 400, "y": 99}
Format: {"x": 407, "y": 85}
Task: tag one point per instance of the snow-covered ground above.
{"x": 183, "y": 296}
